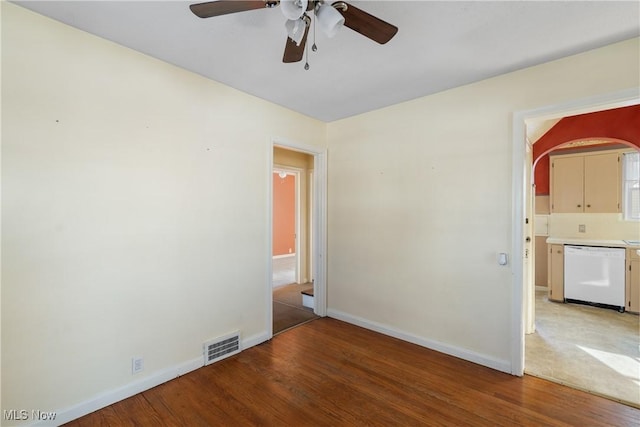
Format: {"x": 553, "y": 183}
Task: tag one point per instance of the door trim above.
{"x": 318, "y": 226}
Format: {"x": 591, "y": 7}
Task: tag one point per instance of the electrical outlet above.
{"x": 582, "y": 228}
{"x": 137, "y": 364}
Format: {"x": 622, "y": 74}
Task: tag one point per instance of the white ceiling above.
{"x": 439, "y": 45}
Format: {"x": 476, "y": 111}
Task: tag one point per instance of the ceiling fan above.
{"x": 329, "y": 17}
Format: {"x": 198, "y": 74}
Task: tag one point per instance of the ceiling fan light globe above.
{"x": 329, "y": 20}
{"x": 295, "y": 29}
{"x": 293, "y": 9}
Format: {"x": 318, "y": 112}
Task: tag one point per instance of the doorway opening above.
{"x": 292, "y": 278}
{"x": 535, "y": 316}
{"x": 286, "y": 226}
{"x": 297, "y": 285}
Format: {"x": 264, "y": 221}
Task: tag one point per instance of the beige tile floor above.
{"x": 590, "y": 348}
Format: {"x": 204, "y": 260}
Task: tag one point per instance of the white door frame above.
{"x": 521, "y": 183}
{"x": 318, "y": 226}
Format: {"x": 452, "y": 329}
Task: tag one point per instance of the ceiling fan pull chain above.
{"x": 314, "y": 47}
{"x": 306, "y": 57}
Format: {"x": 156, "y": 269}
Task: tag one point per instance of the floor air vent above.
{"x": 219, "y": 348}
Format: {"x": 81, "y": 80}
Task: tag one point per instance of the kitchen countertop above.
{"x": 591, "y": 242}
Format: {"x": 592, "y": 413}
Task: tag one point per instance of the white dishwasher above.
{"x": 595, "y": 275}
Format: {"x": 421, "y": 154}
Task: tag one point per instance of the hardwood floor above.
{"x": 330, "y": 373}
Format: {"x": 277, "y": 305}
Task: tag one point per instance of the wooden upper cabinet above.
{"x": 589, "y": 182}
{"x": 567, "y": 184}
{"x": 602, "y": 182}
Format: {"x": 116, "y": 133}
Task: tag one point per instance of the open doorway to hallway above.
{"x": 286, "y": 222}
{"x": 292, "y": 252}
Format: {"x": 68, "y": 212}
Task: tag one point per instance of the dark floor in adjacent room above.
{"x": 288, "y": 310}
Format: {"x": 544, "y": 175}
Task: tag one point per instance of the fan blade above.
{"x": 367, "y": 25}
{"x": 223, "y": 7}
{"x": 293, "y": 52}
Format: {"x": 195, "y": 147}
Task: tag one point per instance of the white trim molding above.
{"x": 284, "y": 256}
{"x": 461, "y": 353}
{"x": 319, "y": 226}
{"x": 155, "y": 379}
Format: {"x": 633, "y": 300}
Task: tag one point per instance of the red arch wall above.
{"x": 621, "y": 124}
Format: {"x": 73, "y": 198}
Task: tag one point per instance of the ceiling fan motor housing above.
{"x": 330, "y": 18}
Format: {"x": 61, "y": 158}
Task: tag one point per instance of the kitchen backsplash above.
{"x": 596, "y": 226}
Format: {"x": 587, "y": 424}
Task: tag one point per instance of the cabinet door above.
{"x": 567, "y": 184}
{"x": 633, "y": 281}
{"x": 602, "y": 183}
{"x": 556, "y": 272}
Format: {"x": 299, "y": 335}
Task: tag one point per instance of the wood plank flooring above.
{"x": 330, "y": 373}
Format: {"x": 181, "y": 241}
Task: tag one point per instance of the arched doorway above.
{"x": 609, "y": 130}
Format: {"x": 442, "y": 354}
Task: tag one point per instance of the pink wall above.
{"x": 284, "y": 214}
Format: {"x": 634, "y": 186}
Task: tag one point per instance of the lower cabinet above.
{"x": 633, "y": 281}
{"x": 555, "y": 276}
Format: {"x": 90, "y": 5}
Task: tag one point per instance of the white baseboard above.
{"x": 112, "y": 396}
{"x": 284, "y": 256}
{"x": 481, "y": 359}
{"x": 541, "y": 288}
{"x": 255, "y": 340}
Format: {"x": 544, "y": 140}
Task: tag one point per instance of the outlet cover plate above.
{"x": 137, "y": 365}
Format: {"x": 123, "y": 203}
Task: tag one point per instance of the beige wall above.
{"x": 296, "y": 159}
{"x": 122, "y": 234}
{"x": 598, "y": 226}
{"x": 420, "y": 203}
{"x": 542, "y": 205}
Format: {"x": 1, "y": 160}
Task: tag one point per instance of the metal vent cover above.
{"x": 221, "y": 347}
